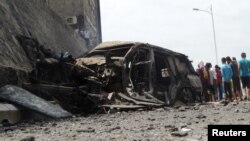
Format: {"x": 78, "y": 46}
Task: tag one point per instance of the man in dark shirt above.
{"x": 236, "y": 79}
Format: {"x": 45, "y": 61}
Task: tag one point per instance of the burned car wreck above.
{"x": 143, "y": 72}
{"x": 122, "y": 75}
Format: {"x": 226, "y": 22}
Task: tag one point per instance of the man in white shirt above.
{"x": 212, "y": 82}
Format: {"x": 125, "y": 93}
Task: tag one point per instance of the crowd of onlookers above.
{"x": 230, "y": 81}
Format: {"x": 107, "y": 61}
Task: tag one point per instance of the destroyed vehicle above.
{"x": 143, "y": 72}
{"x": 114, "y": 75}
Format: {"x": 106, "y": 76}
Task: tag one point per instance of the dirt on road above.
{"x": 184, "y": 123}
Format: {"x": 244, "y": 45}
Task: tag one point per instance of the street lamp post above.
{"x": 211, "y": 13}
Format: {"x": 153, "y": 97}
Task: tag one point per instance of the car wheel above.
{"x": 185, "y": 95}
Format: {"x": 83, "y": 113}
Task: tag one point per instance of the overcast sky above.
{"x": 174, "y": 25}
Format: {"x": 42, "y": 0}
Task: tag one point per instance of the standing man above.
{"x": 236, "y": 79}
{"x": 244, "y": 66}
{"x": 219, "y": 82}
{"x": 204, "y": 77}
{"x": 212, "y": 82}
{"x": 227, "y": 75}
{"x": 229, "y": 62}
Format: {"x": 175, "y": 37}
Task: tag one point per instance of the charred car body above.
{"x": 144, "y": 72}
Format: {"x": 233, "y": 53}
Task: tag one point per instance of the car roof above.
{"x": 117, "y": 44}
{"x": 114, "y": 44}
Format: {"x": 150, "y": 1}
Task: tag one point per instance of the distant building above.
{"x": 83, "y": 16}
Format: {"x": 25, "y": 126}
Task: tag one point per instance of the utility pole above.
{"x": 212, "y": 16}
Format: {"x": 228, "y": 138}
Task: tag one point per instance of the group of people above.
{"x": 230, "y": 81}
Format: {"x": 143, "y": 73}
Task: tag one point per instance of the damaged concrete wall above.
{"x": 90, "y": 12}
{"x": 31, "y": 18}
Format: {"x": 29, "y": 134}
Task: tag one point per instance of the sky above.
{"x": 174, "y": 25}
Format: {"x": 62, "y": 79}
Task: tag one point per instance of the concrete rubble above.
{"x": 133, "y": 125}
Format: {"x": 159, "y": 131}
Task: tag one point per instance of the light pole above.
{"x": 211, "y": 13}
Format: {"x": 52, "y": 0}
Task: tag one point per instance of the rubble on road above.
{"x": 30, "y": 101}
{"x": 179, "y": 133}
{"x": 10, "y": 112}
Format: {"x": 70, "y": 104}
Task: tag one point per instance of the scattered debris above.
{"x": 88, "y": 130}
{"x": 185, "y": 129}
{"x": 169, "y": 126}
{"x": 179, "y": 134}
{"x": 115, "y": 128}
{"x": 216, "y": 120}
{"x": 201, "y": 116}
{"x": 183, "y": 125}
{"x": 236, "y": 111}
{"x": 173, "y": 129}
{"x": 9, "y": 114}
{"x": 151, "y": 127}
{"x": 161, "y": 109}
{"x": 31, "y": 138}
{"x": 151, "y": 119}
{"x": 182, "y": 109}
{"x": 245, "y": 110}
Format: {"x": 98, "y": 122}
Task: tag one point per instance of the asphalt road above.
{"x": 184, "y": 123}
